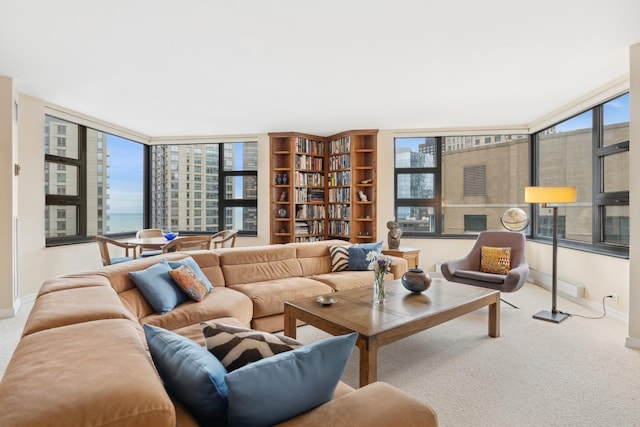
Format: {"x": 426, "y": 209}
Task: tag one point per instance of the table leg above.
{"x": 290, "y": 328}
{"x": 494, "y": 318}
{"x": 368, "y": 360}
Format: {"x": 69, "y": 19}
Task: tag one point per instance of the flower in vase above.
{"x": 379, "y": 263}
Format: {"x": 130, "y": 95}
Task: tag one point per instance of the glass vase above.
{"x": 378, "y": 288}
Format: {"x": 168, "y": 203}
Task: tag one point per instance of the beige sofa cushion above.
{"x": 73, "y": 281}
{"x": 76, "y": 305}
{"x": 343, "y": 280}
{"x": 375, "y": 405}
{"x": 220, "y": 302}
{"x": 269, "y": 297}
{"x": 314, "y": 257}
{"x": 95, "y": 373}
{"x": 258, "y": 264}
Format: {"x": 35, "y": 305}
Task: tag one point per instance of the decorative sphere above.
{"x": 515, "y": 219}
{"x": 416, "y": 280}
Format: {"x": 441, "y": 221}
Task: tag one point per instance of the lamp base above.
{"x": 550, "y": 316}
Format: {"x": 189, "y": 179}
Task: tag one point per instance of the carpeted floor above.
{"x": 577, "y": 373}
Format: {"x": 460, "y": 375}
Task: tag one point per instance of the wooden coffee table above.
{"x": 402, "y": 314}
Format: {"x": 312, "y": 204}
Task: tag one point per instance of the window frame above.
{"x": 79, "y": 200}
{"x": 217, "y": 151}
{"x": 600, "y": 198}
{"x": 435, "y": 202}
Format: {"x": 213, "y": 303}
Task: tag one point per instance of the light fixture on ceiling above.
{"x": 546, "y": 196}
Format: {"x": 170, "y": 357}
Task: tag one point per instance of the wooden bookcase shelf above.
{"x": 327, "y": 182}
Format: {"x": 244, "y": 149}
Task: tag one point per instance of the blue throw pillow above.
{"x": 280, "y": 387}
{"x": 358, "y": 255}
{"x": 158, "y": 288}
{"x": 196, "y": 269}
{"x": 190, "y": 373}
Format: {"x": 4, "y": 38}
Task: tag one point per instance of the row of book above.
{"x": 339, "y": 178}
{"x": 303, "y": 161}
{"x": 340, "y": 227}
{"x": 308, "y": 195}
{"x": 308, "y": 179}
{"x": 339, "y": 211}
{"x": 341, "y": 161}
{"x": 303, "y": 239}
{"x": 340, "y": 145}
{"x": 310, "y": 146}
{"x": 310, "y": 211}
{"x": 340, "y": 195}
{"x": 309, "y": 227}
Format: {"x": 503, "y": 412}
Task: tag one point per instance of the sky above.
{"x": 126, "y": 178}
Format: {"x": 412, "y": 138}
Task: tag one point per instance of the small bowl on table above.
{"x": 326, "y": 300}
{"x": 170, "y": 235}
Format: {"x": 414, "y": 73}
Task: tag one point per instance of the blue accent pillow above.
{"x": 190, "y": 373}
{"x": 158, "y": 288}
{"x": 358, "y": 255}
{"x": 196, "y": 269}
{"x": 280, "y": 387}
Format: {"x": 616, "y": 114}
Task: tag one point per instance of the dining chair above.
{"x": 103, "y": 244}
{"x": 224, "y": 239}
{"x": 187, "y": 243}
{"x": 148, "y": 232}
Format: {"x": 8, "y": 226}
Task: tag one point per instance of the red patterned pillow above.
{"x": 189, "y": 282}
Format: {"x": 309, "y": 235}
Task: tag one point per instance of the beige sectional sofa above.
{"x": 83, "y": 357}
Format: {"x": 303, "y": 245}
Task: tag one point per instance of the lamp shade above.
{"x": 550, "y": 194}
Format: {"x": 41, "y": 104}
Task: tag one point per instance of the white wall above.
{"x": 633, "y": 340}
{"x": 8, "y": 157}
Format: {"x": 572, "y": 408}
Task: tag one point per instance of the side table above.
{"x": 410, "y": 254}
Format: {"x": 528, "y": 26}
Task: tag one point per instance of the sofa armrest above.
{"x": 375, "y": 405}
{"x": 399, "y": 267}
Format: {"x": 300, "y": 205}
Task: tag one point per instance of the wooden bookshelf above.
{"x": 319, "y": 199}
{"x": 351, "y": 172}
{"x": 297, "y": 201}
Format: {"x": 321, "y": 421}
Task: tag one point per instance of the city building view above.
{"x": 94, "y": 184}
{"x": 484, "y": 175}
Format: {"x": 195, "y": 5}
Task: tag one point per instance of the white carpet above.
{"x": 577, "y": 373}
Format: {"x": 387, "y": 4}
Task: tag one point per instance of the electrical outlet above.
{"x": 613, "y": 297}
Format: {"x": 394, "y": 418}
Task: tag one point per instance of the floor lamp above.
{"x": 545, "y": 196}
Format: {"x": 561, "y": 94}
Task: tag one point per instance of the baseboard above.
{"x": 568, "y": 289}
{"x": 6, "y": 313}
{"x": 633, "y": 343}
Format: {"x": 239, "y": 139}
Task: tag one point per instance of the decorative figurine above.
{"x": 283, "y": 196}
{"x": 363, "y": 197}
{"x": 395, "y": 232}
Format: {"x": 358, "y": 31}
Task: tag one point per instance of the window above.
{"x": 475, "y": 223}
{"x": 458, "y": 184}
{"x": 590, "y": 151}
{"x": 232, "y": 189}
{"x": 91, "y": 187}
{"x": 417, "y": 175}
{"x": 475, "y": 180}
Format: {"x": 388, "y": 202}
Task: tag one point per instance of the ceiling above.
{"x": 210, "y": 67}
